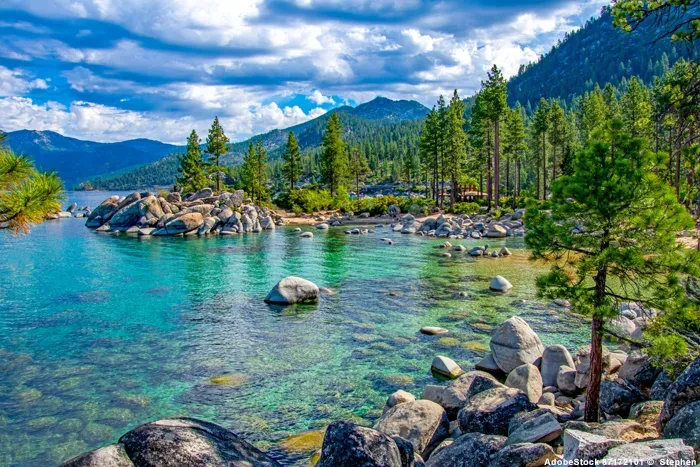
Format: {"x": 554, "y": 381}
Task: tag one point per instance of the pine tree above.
{"x": 291, "y": 158}
{"x": 455, "y": 142}
{"x": 636, "y": 111}
{"x": 217, "y": 145}
{"x": 359, "y": 168}
{"x": 611, "y": 238}
{"x": 440, "y": 146}
{"x": 429, "y": 144}
{"x": 514, "y": 147}
{"x": 496, "y": 106}
{"x": 557, "y": 133}
{"x": 540, "y": 126}
{"x": 249, "y": 171}
{"x": 593, "y": 114}
{"x": 333, "y": 162}
{"x": 260, "y": 171}
{"x": 27, "y": 196}
{"x": 192, "y": 166}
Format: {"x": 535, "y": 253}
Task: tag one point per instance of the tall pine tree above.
{"x": 334, "y": 161}
{"x": 192, "y": 165}
{"x": 292, "y": 160}
{"x": 217, "y": 145}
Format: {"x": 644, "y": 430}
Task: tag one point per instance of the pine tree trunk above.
{"x": 508, "y": 175}
{"x": 497, "y": 164}
{"x": 592, "y": 408}
{"x": 544, "y": 167}
{"x": 554, "y": 163}
{"x": 489, "y": 184}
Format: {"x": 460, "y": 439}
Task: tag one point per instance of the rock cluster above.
{"x": 463, "y": 226}
{"x": 521, "y": 411}
{"x": 200, "y": 213}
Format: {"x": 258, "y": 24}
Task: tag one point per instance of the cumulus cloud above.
{"x": 14, "y": 82}
{"x": 319, "y": 99}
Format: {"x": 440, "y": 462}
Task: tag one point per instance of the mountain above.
{"x": 380, "y": 115}
{"x": 597, "y": 53}
{"x": 76, "y": 160}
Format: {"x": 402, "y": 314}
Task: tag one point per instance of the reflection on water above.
{"x": 101, "y": 332}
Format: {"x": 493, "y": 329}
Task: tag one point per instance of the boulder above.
{"x": 616, "y": 399}
{"x": 432, "y": 330}
{"x": 660, "y": 387}
{"x": 408, "y": 457}
{"x": 103, "y": 212}
{"x": 489, "y": 365}
{"x": 500, "y": 284}
{"x": 203, "y": 193}
{"x": 353, "y": 446}
{"x": 496, "y": 231}
{"x": 539, "y": 426}
{"x": 323, "y": 226}
{"x": 514, "y": 343}
{"x": 174, "y": 197}
{"x": 456, "y": 394}
{"x": 553, "y": 357}
{"x": 683, "y": 391}
{"x": 148, "y": 207}
{"x": 184, "y": 223}
{"x": 587, "y": 446}
{"x": 176, "y": 442}
{"x": 527, "y": 378}
{"x": 490, "y": 411}
{"x": 525, "y": 454}
{"x": 307, "y": 235}
{"x": 423, "y": 423}
{"x": 626, "y": 430}
{"x": 432, "y": 392}
{"x": 469, "y": 450}
{"x": 446, "y": 367}
{"x": 113, "y": 455}
{"x": 686, "y": 424}
{"x": 547, "y": 398}
{"x": 566, "y": 380}
{"x": 582, "y": 359}
{"x": 646, "y": 413}
{"x": 292, "y": 290}
{"x": 656, "y": 452}
{"x": 398, "y": 397}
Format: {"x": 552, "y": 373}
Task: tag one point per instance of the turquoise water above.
{"x": 101, "y": 332}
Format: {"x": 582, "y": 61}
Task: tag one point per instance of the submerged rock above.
{"x": 291, "y": 290}
{"x": 446, "y": 367}
{"x": 500, "y": 284}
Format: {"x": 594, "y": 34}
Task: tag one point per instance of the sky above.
{"x": 111, "y": 70}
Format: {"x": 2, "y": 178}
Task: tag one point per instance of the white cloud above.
{"x": 16, "y": 82}
{"x": 319, "y": 99}
{"x": 97, "y": 122}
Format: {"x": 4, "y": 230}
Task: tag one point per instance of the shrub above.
{"x": 305, "y": 200}
{"x": 464, "y": 208}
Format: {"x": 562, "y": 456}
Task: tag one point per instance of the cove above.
{"x": 100, "y": 332}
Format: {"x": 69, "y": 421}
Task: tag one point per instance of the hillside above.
{"x": 76, "y": 160}
{"x": 380, "y": 117}
{"x": 597, "y": 53}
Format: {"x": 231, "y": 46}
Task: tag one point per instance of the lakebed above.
{"x": 102, "y": 332}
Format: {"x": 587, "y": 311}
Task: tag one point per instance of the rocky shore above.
{"x": 203, "y": 213}
{"x": 521, "y": 405}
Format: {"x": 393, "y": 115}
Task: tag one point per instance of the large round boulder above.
{"x": 514, "y": 343}
{"x": 423, "y": 423}
{"x": 184, "y": 223}
{"x": 582, "y": 359}
{"x": 490, "y": 411}
{"x": 527, "y": 378}
{"x": 353, "y": 446}
{"x": 500, "y": 284}
{"x": 103, "y": 212}
{"x": 291, "y": 290}
{"x": 176, "y": 442}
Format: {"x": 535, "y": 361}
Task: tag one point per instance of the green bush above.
{"x": 305, "y": 200}
{"x": 465, "y": 208}
{"x": 380, "y": 205}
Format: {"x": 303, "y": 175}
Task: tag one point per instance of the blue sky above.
{"x": 109, "y": 70}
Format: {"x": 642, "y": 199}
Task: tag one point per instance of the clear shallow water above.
{"x": 100, "y": 332}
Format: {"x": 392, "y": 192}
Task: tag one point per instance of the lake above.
{"x": 101, "y": 332}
